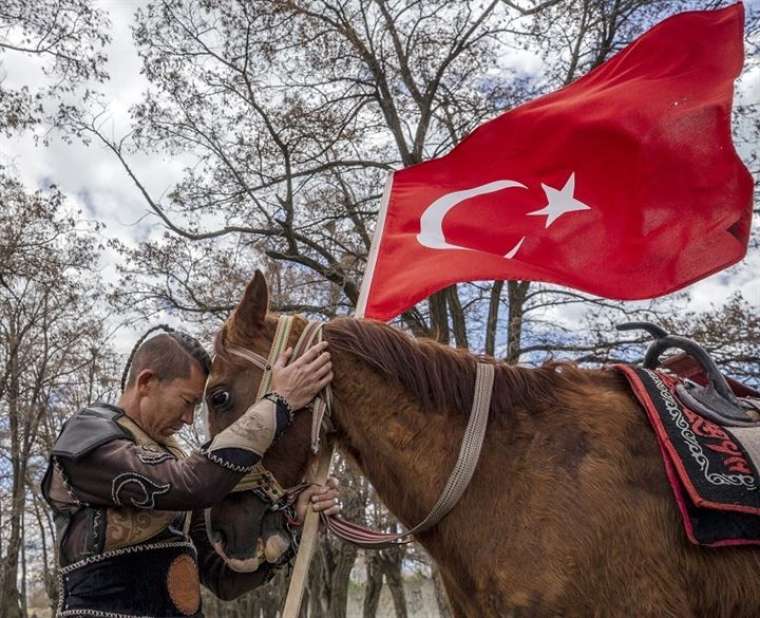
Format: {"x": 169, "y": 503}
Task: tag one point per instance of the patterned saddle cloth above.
{"x": 712, "y": 469}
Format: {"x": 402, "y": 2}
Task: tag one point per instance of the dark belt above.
{"x": 157, "y": 580}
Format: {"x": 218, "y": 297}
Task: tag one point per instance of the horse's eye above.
{"x": 219, "y": 399}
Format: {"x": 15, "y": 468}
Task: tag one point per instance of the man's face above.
{"x": 166, "y": 406}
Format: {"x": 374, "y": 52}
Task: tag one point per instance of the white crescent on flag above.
{"x": 431, "y": 221}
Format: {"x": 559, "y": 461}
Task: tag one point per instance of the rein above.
{"x": 262, "y": 480}
{"x": 469, "y": 453}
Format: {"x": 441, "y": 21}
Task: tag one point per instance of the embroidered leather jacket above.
{"x": 129, "y": 512}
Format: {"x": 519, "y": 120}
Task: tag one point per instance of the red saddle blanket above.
{"x": 711, "y": 469}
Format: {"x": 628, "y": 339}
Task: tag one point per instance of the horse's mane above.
{"x": 442, "y": 377}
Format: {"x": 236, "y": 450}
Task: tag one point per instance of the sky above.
{"x": 96, "y": 183}
{"x": 91, "y": 177}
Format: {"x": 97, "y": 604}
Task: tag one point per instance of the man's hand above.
{"x": 300, "y": 381}
{"x": 320, "y": 497}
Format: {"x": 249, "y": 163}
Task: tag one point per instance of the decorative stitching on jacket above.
{"x": 226, "y": 464}
{"x": 132, "y": 549}
{"x": 152, "y": 457}
{"x": 95, "y": 525}
{"x": 150, "y": 488}
{"x": 96, "y": 614}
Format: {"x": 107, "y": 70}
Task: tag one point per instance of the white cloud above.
{"x": 521, "y": 61}
{"x": 91, "y": 177}
{"x": 748, "y": 87}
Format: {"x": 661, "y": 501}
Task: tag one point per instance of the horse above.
{"x": 569, "y": 511}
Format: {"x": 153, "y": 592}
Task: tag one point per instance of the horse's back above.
{"x": 601, "y": 533}
{"x": 652, "y": 566}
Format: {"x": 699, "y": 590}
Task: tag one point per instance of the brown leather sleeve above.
{"x": 121, "y": 473}
{"x": 215, "y": 574}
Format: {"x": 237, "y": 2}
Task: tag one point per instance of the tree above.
{"x": 51, "y": 348}
{"x": 730, "y": 333}
{"x": 291, "y": 113}
{"x": 295, "y": 112}
{"x": 69, "y": 37}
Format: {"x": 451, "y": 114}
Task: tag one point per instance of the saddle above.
{"x": 707, "y": 427}
{"x": 703, "y": 389}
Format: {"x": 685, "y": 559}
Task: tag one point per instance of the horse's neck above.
{"x": 407, "y": 453}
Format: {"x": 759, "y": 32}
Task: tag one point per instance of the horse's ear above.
{"x": 250, "y": 313}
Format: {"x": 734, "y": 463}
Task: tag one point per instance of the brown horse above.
{"x": 569, "y": 511}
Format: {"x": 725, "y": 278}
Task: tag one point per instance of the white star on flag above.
{"x": 560, "y": 201}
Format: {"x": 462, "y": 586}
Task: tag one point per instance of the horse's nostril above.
{"x": 217, "y": 537}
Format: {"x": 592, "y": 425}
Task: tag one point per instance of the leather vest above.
{"x": 150, "y": 580}
{"x": 136, "y": 562}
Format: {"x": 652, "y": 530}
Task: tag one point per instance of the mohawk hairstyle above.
{"x": 170, "y": 355}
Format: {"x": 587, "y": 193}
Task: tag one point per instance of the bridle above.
{"x": 260, "y": 478}
{"x": 263, "y": 481}
{"x": 310, "y": 336}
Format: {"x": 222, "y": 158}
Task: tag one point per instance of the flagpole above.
{"x": 369, "y": 271}
{"x": 292, "y": 607}
{"x": 308, "y": 544}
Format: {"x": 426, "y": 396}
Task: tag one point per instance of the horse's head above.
{"x": 232, "y": 387}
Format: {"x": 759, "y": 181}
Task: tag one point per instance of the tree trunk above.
{"x": 339, "y": 580}
{"x": 517, "y": 291}
{"x": 493, "y": 317}
{"x": 444, "y": 608}
{"x": 458, "y": 322}
{"x": 392, "y": 572}
{"x": 374, "y": 585}
{"x": 318, "y": 599}
{"x": 304, "y": 612}
{"x": 91, "y": 375}
{"x": 48, "y": 574}
{"x": 439, "y": 319}
{"x": 10, "y": 606}
{"x": 270, "y": 602}
{"x": 24, "y": 609}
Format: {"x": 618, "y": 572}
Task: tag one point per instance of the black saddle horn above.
{"x": 664, "y": 341}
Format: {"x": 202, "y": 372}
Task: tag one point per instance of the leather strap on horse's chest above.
{"x": 461, "y": 475}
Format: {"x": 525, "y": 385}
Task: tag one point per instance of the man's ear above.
{"x": 248, "y": 317}
{"x": 143, "y": 380}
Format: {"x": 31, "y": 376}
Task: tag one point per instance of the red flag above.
{"x": 624, "y": 184}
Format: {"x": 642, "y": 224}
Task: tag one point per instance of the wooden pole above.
{"x": 308, "y": 539}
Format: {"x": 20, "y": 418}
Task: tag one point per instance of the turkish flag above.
{"x": 624, "y": 184}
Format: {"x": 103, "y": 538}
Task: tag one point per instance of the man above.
{"x": 128, "y": 504}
